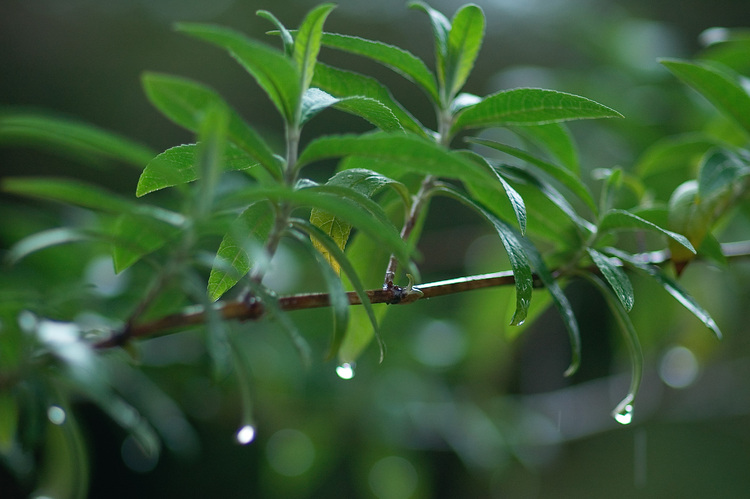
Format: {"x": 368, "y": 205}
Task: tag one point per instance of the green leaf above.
{"x": 341, "y": 84}
{"x": 399, "y": 60}
{"x": 8, "y": 421}
{"x": 623, "y": 220}
{"x": 562, "y": 175}
{"x": 135, "y": 236}
{"x": 623, "y": 411}
{"x": 45, "y": 239}
{"x": 176, "y": 166}
{"x": 238, "y": 249}
{"x": 441, "y": 28}
{"x": 276, "y": 74}
{"x": 719, "y": 174}
{"x": 464, "y": 42}
{"x": 315, "y": 100}
{"x": 307, "y": 42}
{"x": 717, "y": 84}
{"x": 185, "y": 102}
{"x": 286, "y": 36}
{"x": 60, "y": 134}
{"x": 364, "y": 182}
{"x": 529, "y": 106}
{"x": 674, "y": 152}
{"x": 339, "y": 300}
{"x": 556, "y": 139}
{"x": 512, "y": 241}
{"x": 615, "y": 276}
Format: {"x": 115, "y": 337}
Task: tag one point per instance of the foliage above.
{"x": 216, "y": 212}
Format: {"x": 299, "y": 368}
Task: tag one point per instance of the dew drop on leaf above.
{"x": 246, "y": 434}
{"x": 623, "y": 413}
{"x": 346, "y": 370}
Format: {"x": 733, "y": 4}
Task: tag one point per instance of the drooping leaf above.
{"x": 441, "y": 28}
{"x": 316, "y": 100}
{"x": 366, "y": 183}
{"x": 555, "y": 138}
{"x": 46, "y": 239}
{"x": 464, "y": 40}
{"x": 623, "y": 411}
{"x": 61, "y": 134}
{"x": 529, "y": 106}
{"x": 176, "y": 166}
{"x": 562, "y": 175}
{"x": 341, "y": 84}
{"x": 512, "y": 241}
{"x": 307, "y": 42}
{"x": 286, "y": 36}
{"x": 185, "y": 102}
{"x": 399, "y": 60}
{"x": 717, "y": 84}
{"x": 275, "y": 74}
{"x": 624, "y": 220}
{"x": 235, "y": 256}
{"x": 615, "y": 276}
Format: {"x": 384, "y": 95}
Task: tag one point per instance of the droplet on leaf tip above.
{"x": 246, "y": 434}
{"x": 346, "y": 370}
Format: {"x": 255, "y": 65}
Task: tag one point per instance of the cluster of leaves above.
{"x": 533, "y": 198}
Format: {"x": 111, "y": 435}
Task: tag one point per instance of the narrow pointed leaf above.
{"x": 554, "y": 138}
{"x": 307, "y": 42}
{"x": 234, "y": 259}
{"x": 135, "y": 236}
{"x": 464, "y": 42}
{"x": 616, "y": 278}
{"x": 276, "y": 74}
{"x": 316, "y": 100}
{"x": 717, "y": 84}
{"x": 177, "y": 166}
{"x": 441, "y": 28}
{"x": 624, "y": 220}
{"x": 185, "y": 102}
{"x": 624, "y": 408}
{"x": 530, "y": 106}
{"x": 512, "y": 241}
{"x": 286, "y": 36}
{"x": 341, "y": 84}
{"x": 337, "y": 295}
{"x": 399, "y": 60}
{"x": 562, "y": 175}
{"x": 45, "y": 239}
{"x": 80, "y": 139}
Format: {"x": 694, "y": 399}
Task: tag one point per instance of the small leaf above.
{"x": 176, "y": 166}
{"x": 135, "y": 236}
{"x": 341, "y": 84}
{"x": 717, "y": 84}
{"x": 719, "y": 174}
{"x": 185, "y": 102}
{"x": 78, "y": 138}
{"x": 441, "y": 28}
{"x": 615, "y": 277}
{"x": 315, "y": 100}
{"x": 512, "y": 241}
{"x": 46, "y": 239}
{"x": 276, "y": 74}
{"x": 623, "y": 220}
{"x": 399, "y": 60}
{"x": 464, "y": 42}
{"x": 556, "y": 139}
{"x": 562, "y": 175}
{"x": 529, "y": 106}
{"x": 307, "y": 42}
{"x": 234, "y": 259}
{"x": 286, "y": 36}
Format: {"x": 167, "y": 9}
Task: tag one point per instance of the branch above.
{"x": 251, "y": 309}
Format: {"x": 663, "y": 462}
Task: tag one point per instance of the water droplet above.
{"x": 346, "y": 370}
{"x": 623, "y": 413}
{"x": 56, "y": 414}
{"x": 246, "y": 434}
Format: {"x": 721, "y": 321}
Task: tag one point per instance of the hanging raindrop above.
{"x": 346, "y": 370}
{"x": 623, "y": 413}
{"x": 56, "y": 414}
{"x": 246, "y": 434}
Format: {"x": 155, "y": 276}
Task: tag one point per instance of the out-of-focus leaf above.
{"x": 516, "y": 254}
{"x": 307, "y": 42}
{"x": 464, "y": 40}
{"x": 562, "y": 175}
{"x": 340, "y": 84}
{"x": 233, "y": 259}
{"x": 176, "y": 166}
{"x": 276, "y": 74}
{"x": 185, "y": 102}
{"x": 78, "y": 138}
{"x": 529, "y": 106}
{"x": 8, "y": 420}
{"x": 690, "y": 217}
{"x": 674, "y": 152}
{"x": 555, "y": 138}
{"x": 623, "y": 412}
{"x": 46, "y": 239}
{"x": 366, "y": 183}
{"x": 135, "y": 236}
{"x": 624, "y": 220}
{"x": 401, "y": 61}
{"x": 209, "y": 158}
{"x": 717, "y": 84}
{"x": 720, "y": 172}
{"x": 615, "y": 277}
{"x": 315, "y": 100}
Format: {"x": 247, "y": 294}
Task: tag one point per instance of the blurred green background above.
{"x": 462, "y": 406}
